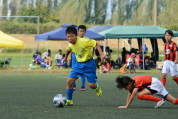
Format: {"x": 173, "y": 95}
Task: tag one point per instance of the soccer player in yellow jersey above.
{"x": 84, "y": 65}
{"x": 81, "y": 32}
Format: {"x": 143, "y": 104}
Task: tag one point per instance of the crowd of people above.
{"x": 128, "y": 58}
{"x": 45, "y": 61}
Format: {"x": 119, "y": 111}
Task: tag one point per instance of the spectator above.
{"x": 62, "y": 61}
{"x": 105, "y": 67}
{"x": 47, "y": 57}
{"x": 131, "y": 63}
{"x": 39, "y": 60}
{"x": 124, "y": 52}
{"x": 58, "y": 56}
{"x": 152, "y": 60}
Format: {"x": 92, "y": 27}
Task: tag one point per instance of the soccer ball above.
{"x": 59, "y": 100}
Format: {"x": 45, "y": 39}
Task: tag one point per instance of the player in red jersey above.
{"x": 146, "y": 86}
{"x": 171, "y": 58}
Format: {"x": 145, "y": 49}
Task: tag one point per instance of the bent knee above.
{"x": 92, "y": 85}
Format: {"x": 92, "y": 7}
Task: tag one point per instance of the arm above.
{"x": 102, "y": 56}
{"x": 128, "y": 97}
{"x": 131, "y": 97}
{"x": 67, "y": 53}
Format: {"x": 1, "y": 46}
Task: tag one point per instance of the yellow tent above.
{"x": 7, "y": 41}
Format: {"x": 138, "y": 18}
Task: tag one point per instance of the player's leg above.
{"x": 171, "y": 99}
{"x": 163, "y": 79}
{"x": 165, "y": 71}
{"x": 96, "y": 88}
{"x": 174, "y": 71}
{"x": 83, "y": 83}
{"x": 69, "y": 91}
{"x": 146, "y": 93}
{"x": 74, "y": 85}
{"x": 90, "y": 72}
{"x": 175, "y": 79}
{"x": 92, "y": 82}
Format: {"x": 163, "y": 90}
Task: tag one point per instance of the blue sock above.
{"x": 83, "y": 81}
{"x": 69, "y": 93}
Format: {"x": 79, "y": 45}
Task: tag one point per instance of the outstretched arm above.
{"x": 131, "y": 97}
{"x": 102, "y": 56}
{"x": 128, "y": 97}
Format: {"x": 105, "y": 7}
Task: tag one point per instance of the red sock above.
{"x": 148, "y": 97}
{"x": 163, "y": 80}
{"x": 176, "y": 101}
{"x": 176, "y": 80}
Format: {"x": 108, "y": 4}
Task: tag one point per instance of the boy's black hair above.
{"x": 71, "y": 29}
{"x": 169, "y": 32}
{"x": 82, "y": 27}
{"x": 60, "y": 50}
{"x": 123, "y": 81}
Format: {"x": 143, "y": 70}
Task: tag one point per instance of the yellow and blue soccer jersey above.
{"x": 82, "y": 48}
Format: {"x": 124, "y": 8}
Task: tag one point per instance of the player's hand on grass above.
{"x": 122, "y": 107}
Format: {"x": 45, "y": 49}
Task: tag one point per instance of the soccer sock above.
{"x": 176, "y": 101}
{"x": 83, "y": 81}
{"x": 176, "y": 80}
{"x": 74, "y": 84}
{"x": 163, "y": 80}
{"x": 69, "y": 93}
{"x": 148, "y": 97}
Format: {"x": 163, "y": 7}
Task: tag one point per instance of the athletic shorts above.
{"x": 169, "y": 67}
{"x": 157, "y": 88}
{"x": 87, "y": 69}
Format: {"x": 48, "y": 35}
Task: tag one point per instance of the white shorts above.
{"x": 157, "y": 86}
{"x": 169, "y": 67}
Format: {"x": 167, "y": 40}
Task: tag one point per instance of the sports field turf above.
{"x": 29, "y": 96}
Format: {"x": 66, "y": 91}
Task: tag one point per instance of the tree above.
{"x": 73, "y": 12}
{"x": 88, "y": 9}
{"x": 39, "y": 10}
{"x": 100, "y": 8}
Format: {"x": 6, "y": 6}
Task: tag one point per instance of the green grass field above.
{"x": 30, "y": 96}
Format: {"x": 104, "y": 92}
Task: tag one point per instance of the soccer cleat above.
{"x": 98, "y": 90}
{"x": 69, "y": 103}
{"x": 82, "y": 89}
{"x": 160, "y": 103}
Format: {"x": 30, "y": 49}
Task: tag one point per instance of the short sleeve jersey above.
{"x": 169, "y": 49}
{"x": 82, "y": 49}
{"x": 142, "y": 82}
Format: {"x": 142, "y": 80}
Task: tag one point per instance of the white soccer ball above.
{"x": 30, "y": 65}
{"x": 59, "y": 100}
